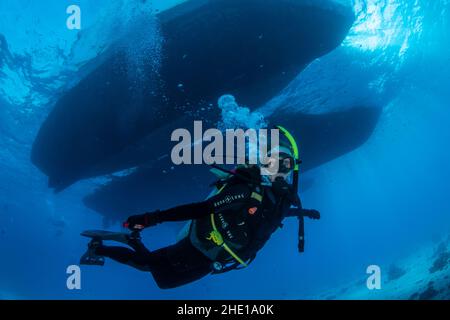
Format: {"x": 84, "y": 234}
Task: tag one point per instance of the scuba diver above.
{"x": 226, "y": 230}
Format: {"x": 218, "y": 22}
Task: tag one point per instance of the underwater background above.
{"x": 380, "y": 203}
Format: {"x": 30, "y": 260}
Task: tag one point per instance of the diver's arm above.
{"x": 183, "y": 212}
{"x": 231, "y": 198}
{"x": 179, "y": 213}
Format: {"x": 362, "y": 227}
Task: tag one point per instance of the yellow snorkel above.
{"x": 295, "y": 181}
{"x": 295, "y": 152}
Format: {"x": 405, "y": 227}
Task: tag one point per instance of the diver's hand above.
{"x": 312, "y": 214}
{"x": 300, "y": 212}
{"x": 142, "y": 221}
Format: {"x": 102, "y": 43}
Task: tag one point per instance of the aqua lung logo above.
{"x": 225, "y": 226}
{"x": 228, "y": 199}
{"x": 232, "y": 147}
{"x": 223, "y": 222}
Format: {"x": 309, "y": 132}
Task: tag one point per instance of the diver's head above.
{"x": 279, "y": 163}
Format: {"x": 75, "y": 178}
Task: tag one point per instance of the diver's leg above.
{"x": 171, "y": 267}
{"x": 138, "y": 246}
{"x": 178, "y": 265}
{"x": 125, "y": 256}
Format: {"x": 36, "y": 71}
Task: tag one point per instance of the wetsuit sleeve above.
{"x": 180, "y": 213}
{"x": 184, "y": 212}
{"x": 231, "y": 198}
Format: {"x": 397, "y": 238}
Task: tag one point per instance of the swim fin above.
{"x": 89, "y": 257}
{"x": 109, "y": 236}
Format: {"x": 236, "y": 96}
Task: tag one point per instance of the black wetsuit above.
{"x": 171, "y": 266}
{"x": 182, "y": 262}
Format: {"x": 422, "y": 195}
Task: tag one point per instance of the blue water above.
{"x": 378, "y": 202}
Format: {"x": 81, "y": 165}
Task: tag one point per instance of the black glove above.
{"x": 299, "y": 212}
{"x": 312, "y": 214}
{"x": 142, "y": 221}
